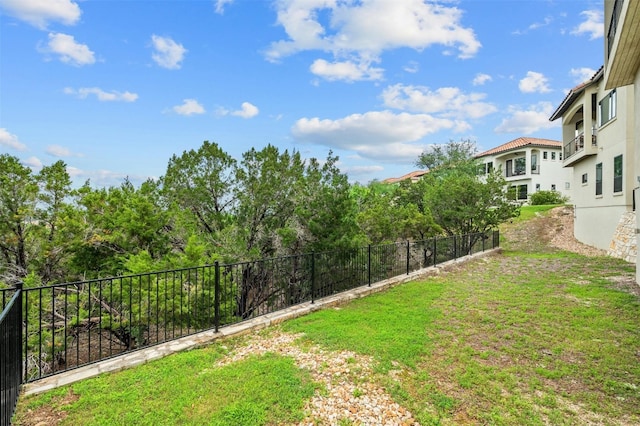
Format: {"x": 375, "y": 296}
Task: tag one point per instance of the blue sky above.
{"x": 115, "y": 88}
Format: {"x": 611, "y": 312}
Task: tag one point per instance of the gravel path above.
{"x": 349, "y": 394}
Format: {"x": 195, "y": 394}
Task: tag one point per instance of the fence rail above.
{"x": 66, "y": 326}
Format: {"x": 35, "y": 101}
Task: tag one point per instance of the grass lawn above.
{"x": 526, "y": 337}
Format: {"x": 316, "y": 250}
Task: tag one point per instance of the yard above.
{"x": 536, "y": 335}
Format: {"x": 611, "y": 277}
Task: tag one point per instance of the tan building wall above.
{"x": 597, "y": 215}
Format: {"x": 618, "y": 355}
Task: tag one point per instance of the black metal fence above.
{"x": 10, "y": 352}
{"x": 66, "y": 326}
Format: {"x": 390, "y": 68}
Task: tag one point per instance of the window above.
{"x": 599, "y": 179}
{"x": 537, "y": 187}
{"x": 544, "y": 155}
{"x": 567, "y": 185}
{"x": 617, "y": 174}
{"x": 534, "y": 164}
{"x": 607, "y": 108}
{"x": 489, "y": 168}
{"x": 553, "y": 155}
{"x": 509, "y": 165}
{"x": 522, "y": 192}
{"x": 584, "y": 178}
{"x": 553, "y": 186}
{"x": 520, "y": 166}
{"x": 559, "y": 156}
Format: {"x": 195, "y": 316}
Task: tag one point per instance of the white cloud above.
{"x": 221, "y": 4}
{"x": 547, "y": 21}
{"x": 10, "y": 140}
{"x": 103, "y": 177}
{"x": 528, "y": 121}
{"x": 40, "y": 12}
{"x": 582, "y": 74}
{"x": 480, "y": 79}
{"x": 61, "y": 152}
{"x": 363, "y": 30}
{"x": 33, "y": 162}
{"x": 360, "y": 170}
{"x": 347, "y": 70}
{"x": 445, "y": 101}
{"x": 69, "y": 51}
{"x": 534, "y": 82}
{"x": 412, "y": 67}
{"x": 248, "y": 110}
{"x": 380, "y": 135}
{"x": 168, "y": 54}
{"x": 189, "y": 107}
{"x": 592, "y": 26}
{"x": 101, "y": 95}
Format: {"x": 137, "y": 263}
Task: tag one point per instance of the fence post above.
{"x": 455, "y": 247}
{"x": 216, "y": 295}
{"x": 408, "y": 254}
{"x": 369, "y": 265}
{"x": 484, "y": 237}
{"x": 23, "y": 355}
{"x": 313, "y": 277}
{"x": 435, "y": 248}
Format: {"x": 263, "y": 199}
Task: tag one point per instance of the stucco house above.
{"x": 622, "y": 70}
{"x": 529, "y": 165}
{"x": 600, "y": 139}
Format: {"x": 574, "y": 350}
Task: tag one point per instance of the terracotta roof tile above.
{"x": 519, "y": 143}
{"x": 413, "y": 175}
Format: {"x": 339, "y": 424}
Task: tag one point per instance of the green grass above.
{"x": 383, "y": 325}
{"x": 186, "y": 388}
{"x": 546, "y": 337}
{"x": 529, "y": 212}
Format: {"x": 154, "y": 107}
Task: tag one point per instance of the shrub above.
{"x": 548, "y": 197}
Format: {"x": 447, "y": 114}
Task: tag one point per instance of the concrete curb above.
{"x": 145, "y": 355}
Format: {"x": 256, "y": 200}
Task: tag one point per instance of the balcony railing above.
{"x": 577, "y": 144}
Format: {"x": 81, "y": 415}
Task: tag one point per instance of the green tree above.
{"x": 203, "y": 183}
{"x": 120, "y": 222}
{"x": 268, "y": 185}
{"x": 445, "y": 158}
{"x": 18, "y": 197}
{"x": 55, "y": 222}
{"x": 325, "y": 209}
{"x": 390, "y": 212}
{"x": 460, "y": 200}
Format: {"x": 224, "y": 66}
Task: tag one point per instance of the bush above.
{"x": 547, "y": 197}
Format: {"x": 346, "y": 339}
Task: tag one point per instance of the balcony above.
{"x": 577, "y": 146}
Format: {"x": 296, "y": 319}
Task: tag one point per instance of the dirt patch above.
{"x": 49, "y": 414}
{"x": 551, "y": 230}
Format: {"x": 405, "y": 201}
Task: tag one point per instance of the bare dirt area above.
{"x": 553, "y": 229}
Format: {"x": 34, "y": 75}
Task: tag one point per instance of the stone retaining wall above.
{"x": 624, "y": 244}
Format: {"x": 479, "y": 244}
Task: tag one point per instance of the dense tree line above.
{"x": 209, "y": 206}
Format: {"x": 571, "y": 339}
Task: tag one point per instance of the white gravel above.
{"x": 348, "y": 395}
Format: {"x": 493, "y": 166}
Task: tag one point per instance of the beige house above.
{"x": 622, "y": 71}
{"x": 529, "y": 165}
{"x": 600, "y": 145}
